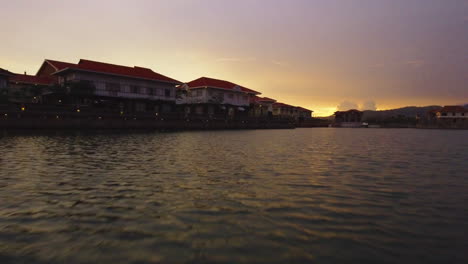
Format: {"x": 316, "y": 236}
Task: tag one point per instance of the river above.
{"x": 318, "y": 195}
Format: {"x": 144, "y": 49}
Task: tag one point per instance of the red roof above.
{"x": 304, "y": 109}
{"x": 31, "y": 79}
{"x": 60, "y": 65}
{"x": 279, "y": 105}
{"x": 215, "y": 83}
{"x": 5, "y": 72}
{"x": 257, "y": 99}
{"x": 113, "y": 69}
{"x": 452, "y": 109}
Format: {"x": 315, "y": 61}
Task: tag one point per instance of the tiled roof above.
{"x": 215, "y": 83}
{"x": 60, "y": 65}
{"x": 113, "y": 69}
{"x": 304, "y": 109}
{"x": 257, "y": 99}
{"x": 278, "y": 105}
{"x": 31, "y": 79}
{"x": 452, "y": 109}
{"x": 5, "y": 72}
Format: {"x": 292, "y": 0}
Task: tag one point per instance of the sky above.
{"x": 320, "y": 54}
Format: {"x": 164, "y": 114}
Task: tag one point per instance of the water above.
{"x": 265, "y": 196}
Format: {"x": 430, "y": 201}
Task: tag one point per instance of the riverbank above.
{"x": 102, "y": 120}
{"x": 135, "y": 123}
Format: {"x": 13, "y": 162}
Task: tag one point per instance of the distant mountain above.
{"x": 409, "y": 111}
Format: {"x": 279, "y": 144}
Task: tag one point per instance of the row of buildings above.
{"x": 454, "y": 116}
{"x": 116, "y": 88}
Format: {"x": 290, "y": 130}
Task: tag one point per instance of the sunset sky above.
{"x": 314, "y": 53}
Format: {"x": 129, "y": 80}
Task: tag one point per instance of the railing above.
{"x": 102, "y": 92}
{"x": 88, "y": 112}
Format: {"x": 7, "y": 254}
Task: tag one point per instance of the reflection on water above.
{"x": 266, "y": 196}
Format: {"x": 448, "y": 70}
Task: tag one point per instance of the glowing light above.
{"x": 78, "y": 110}
{"x": 23, "y": 108}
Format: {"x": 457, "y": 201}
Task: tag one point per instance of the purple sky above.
{"x": 315, "y": 53}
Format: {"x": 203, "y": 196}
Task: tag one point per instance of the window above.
{"x": 167, "y": 92}
{"x": 453, "y": 114}
{"x": 230, "y": 96}
{"x": 159, "y": 92}
{"x": 150, "y": 91}
{"x": 113, "y": 87}
{"x": 134, "y": 89}
{"x": 199, "y": 92}
{"x": 444, "y": 114}
{"x": 70, "y": 77}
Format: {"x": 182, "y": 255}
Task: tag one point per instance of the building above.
{"x": 297, "y": 113}
{"x": 4, "y": 78}
{"x": 261, "y": 106}
{"x": 4, "y": 83}
{"x": 28, "y": 88}
{"x": 110, "y": 86}
{"x": 49, "y": 67}
{"x": 285, "y": 111}
{"x": 304, "y": 114}
{"x": 212, "y": 97}
{"x": 350, "y": 118}
{"x": 452, "y": 112}
{"x": 453, "y": 116}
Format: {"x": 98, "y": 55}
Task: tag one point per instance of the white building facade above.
{"x": 208, "y": 96}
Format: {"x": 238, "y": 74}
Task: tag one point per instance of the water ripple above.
{"x": 276, "y": 196}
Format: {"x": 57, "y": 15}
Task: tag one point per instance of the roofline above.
{"x": 6, "y": 72}
{"x": 285, "y": 105}
{"x": 28, "y": 82}
{"x": 221, "y": 80}
{"x": 48, "y": 62}
{"x": 302, "y": 108}
{"x": 220, "y": 88}
{"x": 113, "y": 74}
